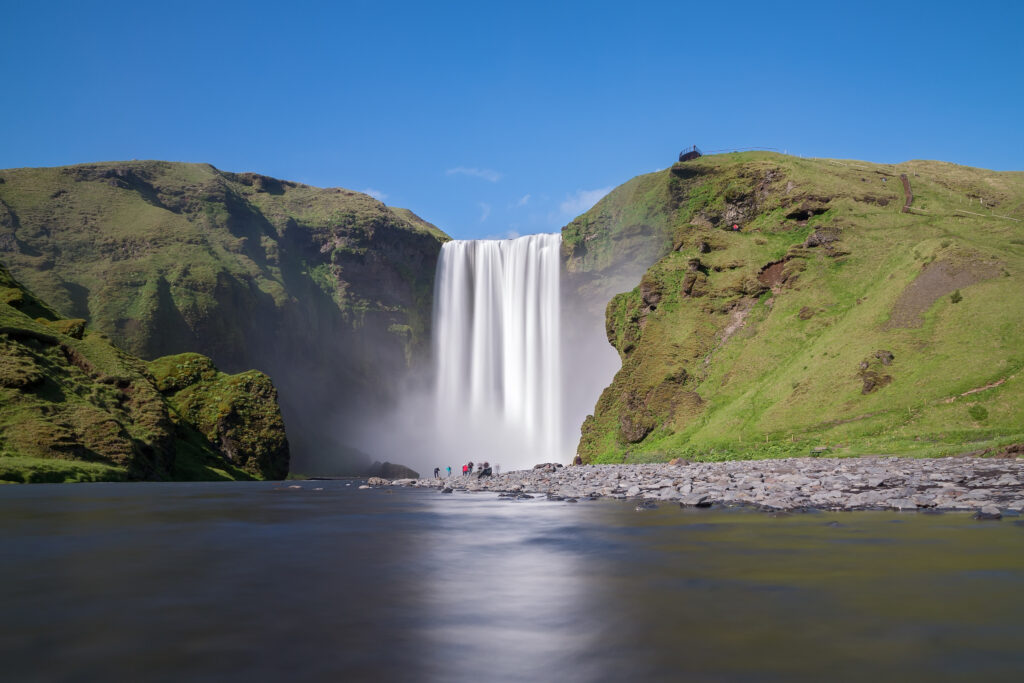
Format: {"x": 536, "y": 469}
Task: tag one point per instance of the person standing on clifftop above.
{"x": 437, "y": 473}
{"x": 449, "y": 472}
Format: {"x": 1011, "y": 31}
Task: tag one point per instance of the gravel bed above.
{"x": 987, "y": 486}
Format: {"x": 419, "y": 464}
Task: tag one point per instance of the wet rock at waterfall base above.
{"x": 699, "y": 500}
{"x": 390, "y": 470}
{"x": 514, "y": 495}
{"x": 989, "y": 512}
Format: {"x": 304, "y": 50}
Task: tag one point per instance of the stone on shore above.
{"x": 695, "y": 500}
{"x": 868, "y": 483}
{"x": 988, "y": 512}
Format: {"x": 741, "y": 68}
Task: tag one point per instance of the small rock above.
{"x": 988, "y": 512}
{"x": 700, "y": 500}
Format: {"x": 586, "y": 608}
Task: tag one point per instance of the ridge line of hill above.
{"x": 327, "y": 290}
{"x": 779, "y": 297}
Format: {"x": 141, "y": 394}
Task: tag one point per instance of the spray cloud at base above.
{"x": 503, "y": 387}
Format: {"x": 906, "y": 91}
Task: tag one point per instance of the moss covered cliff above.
{"x": 326, "y": 290}
{"x": 787, "y": 305}
{"x": 73, "y": 407}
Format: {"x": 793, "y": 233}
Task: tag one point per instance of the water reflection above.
{"x": 504, "y": 596}
{"x": 251, "y": 582}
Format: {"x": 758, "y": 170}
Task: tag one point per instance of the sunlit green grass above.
{"x": 783, "y": 384}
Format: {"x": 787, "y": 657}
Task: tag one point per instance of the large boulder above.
{"x": 390, "y": 470}
{"x": 238, "y": 414}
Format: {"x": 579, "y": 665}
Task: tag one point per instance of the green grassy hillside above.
{"x": 73, "y": 407}
{"x": 326, "y": 290}
{"x": 795, "y": 306}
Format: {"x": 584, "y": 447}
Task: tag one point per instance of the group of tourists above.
{"x": 483, "y": 469}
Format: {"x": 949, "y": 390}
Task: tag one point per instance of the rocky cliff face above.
{"x": 780, "y": 305}
{"x": 73, "y": 407}
{"x": 326, "y": 290}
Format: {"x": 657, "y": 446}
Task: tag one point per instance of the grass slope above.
{"x": 326, "y": 290}
{"x": 829, "y": 319}
{"x": 73, "y": 407}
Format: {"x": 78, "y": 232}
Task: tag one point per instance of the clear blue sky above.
{"x": 491, "y": 119}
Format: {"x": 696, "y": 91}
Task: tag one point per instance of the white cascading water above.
{"x": 497, "y": 348}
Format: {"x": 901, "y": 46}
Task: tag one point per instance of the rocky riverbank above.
{"x": 988, "y": 486}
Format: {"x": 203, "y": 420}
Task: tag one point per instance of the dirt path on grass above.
{"x": 906, "y": 192}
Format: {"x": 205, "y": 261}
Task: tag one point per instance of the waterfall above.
{"x": 497, "y": 347}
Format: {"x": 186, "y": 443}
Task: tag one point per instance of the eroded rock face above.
{"x": 871, "y": 371}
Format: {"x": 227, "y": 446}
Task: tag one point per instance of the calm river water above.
{"x": 259, "y": 582}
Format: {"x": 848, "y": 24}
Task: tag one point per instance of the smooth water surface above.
{"x": 261, "y": 582}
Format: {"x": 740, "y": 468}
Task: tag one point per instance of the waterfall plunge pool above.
{"x": 258, "y": 581}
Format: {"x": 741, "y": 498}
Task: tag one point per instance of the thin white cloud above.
{"x": 523, "y": 201}
{"x": 582, "y": 201}
{"x": 509, "y": 234}
{"x": 485, "y": 173}
{"x": 485, "y": 211}
{"x": 376, "y": 194}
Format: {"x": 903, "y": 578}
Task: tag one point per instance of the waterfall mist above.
{"x": 513, "y": 374}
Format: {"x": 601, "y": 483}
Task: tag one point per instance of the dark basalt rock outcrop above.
{"x": 390, "y": 470}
